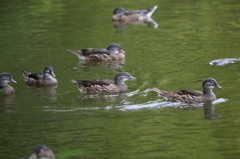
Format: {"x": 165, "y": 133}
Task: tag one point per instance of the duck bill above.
{"x": 52, "y": 73}
{"x": 217, "y": 86}
{"x": 13, "y": 81}
{"x": 122, "y": 51}
{"x": 132, "y": 78}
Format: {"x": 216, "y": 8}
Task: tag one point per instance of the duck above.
{"x": 47, "y": 78}
{"x": 113, "y": 52}
{"x": 104, "y": 85}
{"x": 41, "y": 152}
{"x": 120, "y": 14}
{"x": 192, "y": 96}
{"x": 6, "y": 89}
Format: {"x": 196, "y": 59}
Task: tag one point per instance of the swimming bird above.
{"x": 105, "y": 85}
{"x": 41, "y": 152}
{"x": 47, "y": 78}
{"x": 113, "y": 52}
{"x": 120, "y": 14}
{"x": 6, "y": 89}
{"x": 192, "y": 96}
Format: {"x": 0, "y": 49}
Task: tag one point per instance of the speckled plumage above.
{"x": 104, "y": 85}
{"x": 41, "y": 152}
{"x": 47, "y": 78}
{"x": 120, "y": 14}
{"x": 192, "y": 96}
{"x": 113, "y": 52}
{"x": 6, "y": 89}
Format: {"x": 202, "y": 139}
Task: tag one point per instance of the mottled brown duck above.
{"x": 47, "y": 78}
{"x": 112, "y": 52}
{"x": 120, "y": 14}
{"x": 192, "y": 96}
{"x": 6, "y": 89}
{"x": 105, "y": 85}
{"x": 41, "y": 152}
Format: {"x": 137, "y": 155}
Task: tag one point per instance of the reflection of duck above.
{"x": 47, "y": 78}
{"x": 50, "y": 93}
{"x": 123, "y": 24}
{"x": 113, "y": 52}
{"x": 41, "y": 152}
{"x": 111, "y": 65}
{"x": 6, "y": 89}
{"x": 208, "y": 111}
{"x": 105, "y": 85}
{"x": 120, "y": 14}
{"x": 192, "y": 96}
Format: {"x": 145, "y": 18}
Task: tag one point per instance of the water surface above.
{"x": 134, "y": 124}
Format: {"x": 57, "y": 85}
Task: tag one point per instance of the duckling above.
{"x": 113, "y": 52}
{"x": 6, "y": 89}
{"x": 47, "y": 78}
{"x": 120, "y": 14}
{"x": 105, "y": 85}
{"x": 41, "y": 152}
{"x": 192, "y": 96}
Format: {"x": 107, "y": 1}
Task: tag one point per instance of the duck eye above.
{"x": 7, "y": 77}
{"x": 47, "y": 70}
{"x": 125, "y": 75}
{"x": 211, "y": 82}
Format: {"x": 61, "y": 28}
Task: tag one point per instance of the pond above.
{"x": 175, "y": 52}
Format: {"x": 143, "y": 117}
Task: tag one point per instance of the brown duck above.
{"x": 41, "y": 152}
{"x": 47, "y": 78}
{"x": 6, "y": 89}
{"x": 192, "y": 96}
{"x": 113, "y": 52}
{"x": 120, "y": 14}
{"x": 105, "y": 85}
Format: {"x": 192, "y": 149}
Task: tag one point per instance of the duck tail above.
{"x": 78, "y": 53}
{"x": 74, "y": 82}
{"x": 158, "y": 91}
{"x": 149, "y": 14}
{"x": 25, "y": 73}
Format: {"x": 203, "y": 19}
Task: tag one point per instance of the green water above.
{"x": 135, "y": 124}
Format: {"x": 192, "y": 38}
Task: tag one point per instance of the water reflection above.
{"x": 123, "y": 24}
{"x": 103, "y": 98}
{"x": 111, "y": 65}
{"x": 209, "y": 111}
{"x": 6, "y": 103}
{"x": 50, "y": 93}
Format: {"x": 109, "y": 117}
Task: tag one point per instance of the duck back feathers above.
{"x": 104, "y": 85}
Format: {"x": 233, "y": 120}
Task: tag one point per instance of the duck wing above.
{"x": 94, "y": 51}
{"x": 100, "y": 82}
{"x": 189, "y": 92}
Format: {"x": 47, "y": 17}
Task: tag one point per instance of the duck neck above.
{"x": 119, "y": 81}
{"x": 207, "y": 91}
{"x": 46, "y": 76}
{"x": 3, "y": 84}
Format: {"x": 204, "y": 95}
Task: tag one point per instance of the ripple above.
{"x": 225, "y": 61}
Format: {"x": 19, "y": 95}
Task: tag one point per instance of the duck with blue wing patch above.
{"x": 47, "y": 78}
